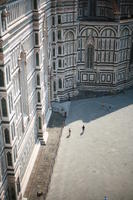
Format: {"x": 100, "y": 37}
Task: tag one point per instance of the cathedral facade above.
{"x": 24, "y": 92}
{"x": 90, "y": 46}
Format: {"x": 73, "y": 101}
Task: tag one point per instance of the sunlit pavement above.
{"x": 99, "y": 162}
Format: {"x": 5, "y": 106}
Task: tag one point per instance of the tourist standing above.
{"x": 83, "y": 128}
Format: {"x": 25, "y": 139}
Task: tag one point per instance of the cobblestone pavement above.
{"x": 41, "y": 173}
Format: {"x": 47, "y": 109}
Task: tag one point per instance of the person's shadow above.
{"x": 68, "y": 136}
{"x": 81, "y": 133}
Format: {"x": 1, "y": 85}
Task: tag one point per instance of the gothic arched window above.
{"x": 38, "y": 97}
{"x": 37, "y": 59}
{"x": 39, "y": 122}
{"x": 53, "y": 21}
{"x": 92, "y": 7}
{"x": 7, "y": 137}
{"x": 38, "y": 79}
{"x": 53, "y": 51}
{"x": 35, "y": 4}
{"x": 23, "y": 83}
{"x": 4, "y": 107}
{"x": 131, "y": 54}
{"x": 54, "y": 85}
{"x": 90, "y": 56}
{"x": 60, "y": 84}
{"x": 59, "y": 50}
{"x": 53, "y": 36}
{"x": 36, "y": 39}
{"x": 59, "y": 64}
{"x": 9, "y": 159}
{"x": 59, "y": 35}
{"x": 53, "y": 65}
{"x": 1, "y": 78}
{"x": 59, "y": 19}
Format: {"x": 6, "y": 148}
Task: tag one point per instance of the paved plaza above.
{"x": 98, "y": 162}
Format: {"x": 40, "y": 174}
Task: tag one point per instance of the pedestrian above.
{"x": 69, "y": 131}
{"x": 83, "y": 128}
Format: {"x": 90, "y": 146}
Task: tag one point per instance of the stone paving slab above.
{"x": 98, "y": 163}
{"x": 43, "y": 168}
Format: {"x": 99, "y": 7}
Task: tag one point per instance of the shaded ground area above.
{"x": 98, "y": 162}
{"x": 43, "y": 168}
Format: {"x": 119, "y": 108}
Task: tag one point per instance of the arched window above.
{"x": 59, "y": 19}
{"x": 92, "y": 7}
{"x": 4, "y": 107}
{"x": 36, "y": 39}
{"x": 3, "y": 20}
{"x": 53, "y": 51}
{"x": 7, "y": 137}
{"x": 54, "y": 85}
{"x": 90, "y": 56}
{"x": 59, "y": 63}
{"x": 69, "y": 46}
{"x": 131, "y": 54}
{"x": 53, "y": 21}
{"x": 1, "y": 78}
{"x": 53, "y": 65}
{"x": 59, "y": 50}
{"x": 35, "y": 4}
{"x": 53, "y": 36}
{"x": 38, "y": 97}
{"x": 39, "y": 122}
{"x": 38, "y": 79}
{"x": 37, "y": 59}
{"x": 24, "y": 86}
{"x": 60, "y": 84}
{"x": 9, "y": 159}
{"x": 59, "y": 35}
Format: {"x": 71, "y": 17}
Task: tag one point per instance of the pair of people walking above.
{"x": 69, "y": 131}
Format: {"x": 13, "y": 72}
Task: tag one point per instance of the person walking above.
{"x": 83, "y": 128}
{"x": 69, "y": 131}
